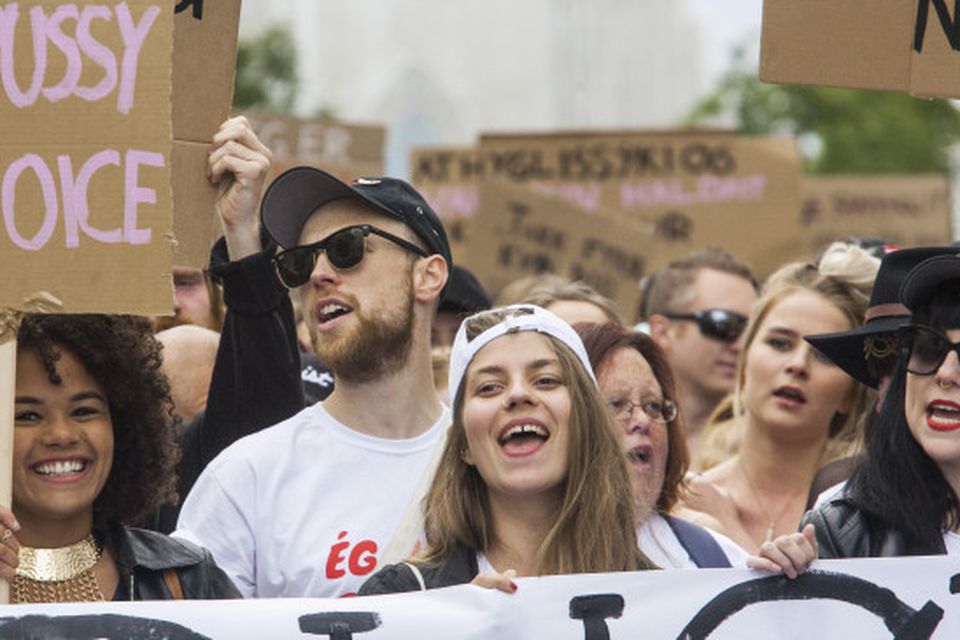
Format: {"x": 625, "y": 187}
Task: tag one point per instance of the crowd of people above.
{"x": 354, "y": 415}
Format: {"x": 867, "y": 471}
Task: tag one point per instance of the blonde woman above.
{"x": 793, "y": 408}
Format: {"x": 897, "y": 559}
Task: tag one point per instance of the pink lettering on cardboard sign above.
{"x": 74, "y": 194}
{"x": 54, "y": 33}
{"x": 8, "y": 197}
{"x": 98, "y": 52}
{"x": 453, "y": 202}
{"x": 707, "y": 189}
{"x": 135, "y": 194}
{"x": 9, "y": 15}
{"x": 50, "y": 29}
{"x": 76, "y": 208}
{"x": 587, "y": 196}
{"x": 133, "y": 36}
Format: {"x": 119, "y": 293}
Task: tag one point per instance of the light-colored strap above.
{"x": 417, "y": 574}
{"x": 408, "y": 532}
{"x": 173, "y": 583}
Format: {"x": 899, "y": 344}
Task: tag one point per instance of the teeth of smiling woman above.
{"x": 60, "y": 468}
{"x": 946, "y": 413}
{"x": 523, "y": 429}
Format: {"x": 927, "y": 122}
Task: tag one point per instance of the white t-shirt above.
{"x": 660, "y": 544}
{"x": 951, "y": 541}
{"x": 304, "y": 508}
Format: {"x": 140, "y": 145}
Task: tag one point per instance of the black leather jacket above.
{"x": 459, "y": 568}
{"x": 143, "y": 556}
{"x": 843, "y": 532}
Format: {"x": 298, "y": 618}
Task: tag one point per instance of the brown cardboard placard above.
{"x": 204, "y": 63}
{"x": 902, "y": 45}
{"x": 691, "y": 188}
{"x": 520, "y": 233}
{"x": 85, "y": 157}
{"x": 445, "y": 177}
{"x": 347, "y": 150}
{"x": 905, "y": 210}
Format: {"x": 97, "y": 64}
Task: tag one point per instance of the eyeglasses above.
{"x": 657, "y": 410}
{"x": 344, "y": 248}
{"x": 928, "y": 349}
{"x": 719, "y": 324}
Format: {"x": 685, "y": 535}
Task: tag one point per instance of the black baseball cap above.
{"x": 922, "y": 283}
{"x": 292, "y": 198}
{"x": 859, "y": 351}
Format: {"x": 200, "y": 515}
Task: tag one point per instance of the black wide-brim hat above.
{"x": 292, "y": 198}
{"x": 861, "y": 351}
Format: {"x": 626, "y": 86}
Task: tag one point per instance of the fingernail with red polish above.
{"x": 513, "y": 586}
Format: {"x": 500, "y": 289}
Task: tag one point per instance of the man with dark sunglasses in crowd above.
{"x": 312, "y": 505}
{"x": 697, "y": 309}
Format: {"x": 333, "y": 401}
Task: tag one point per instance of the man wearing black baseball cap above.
{"x": 310, "y": 506}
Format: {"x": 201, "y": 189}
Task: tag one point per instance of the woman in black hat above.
{"x": 902, "y": 497}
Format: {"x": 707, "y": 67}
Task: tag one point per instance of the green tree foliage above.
{"x": 845, "y": 130}
{"x": 266, "y": 72}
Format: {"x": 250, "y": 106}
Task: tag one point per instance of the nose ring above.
{"x": 944, "y": 384}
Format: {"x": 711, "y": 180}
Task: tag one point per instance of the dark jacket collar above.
{"x": 132, "y": 548}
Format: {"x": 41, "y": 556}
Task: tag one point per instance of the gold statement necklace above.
{"x": 64, "y": 574}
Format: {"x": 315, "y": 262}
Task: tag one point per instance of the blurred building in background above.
{"x": 438, "y": 72}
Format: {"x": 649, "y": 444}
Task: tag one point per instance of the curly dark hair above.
{"x": 122, "y": 355}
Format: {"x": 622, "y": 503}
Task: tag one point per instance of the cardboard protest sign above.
{"x": 346, "y": 150}
{"x": 204, "y": 61}
{"x": 910, "y": 597}
{"x": 865, "y": 44}
{"x": 522, "y": 233}
{"x": 694, "y": 189}
{"x": 444, "y": 176}
{"x": 905, "y": 210}
{"x": 85, "y": 154}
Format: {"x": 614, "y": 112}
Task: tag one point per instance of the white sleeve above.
{"x": 736, "y": 554}
{"x": 213, "y": 518}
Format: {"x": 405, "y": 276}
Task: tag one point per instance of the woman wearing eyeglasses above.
{"x": 637, "y": 384}
{"x": 902, "y": 499}
{"x": 793, "y": 408}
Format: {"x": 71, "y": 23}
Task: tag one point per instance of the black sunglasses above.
{"x": 344, "y": 248}
{"x": 928, "y": 349}
{"x": 719, "y": 324}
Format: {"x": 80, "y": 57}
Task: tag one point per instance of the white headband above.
{"x": 535, "y": 319}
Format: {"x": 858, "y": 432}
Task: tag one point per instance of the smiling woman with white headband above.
{"x": 532, "y": 479}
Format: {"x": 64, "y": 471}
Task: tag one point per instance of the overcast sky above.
{"x": 727, "y": 23}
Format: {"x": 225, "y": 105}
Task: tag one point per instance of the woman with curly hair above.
{"x": 93, "y": 452}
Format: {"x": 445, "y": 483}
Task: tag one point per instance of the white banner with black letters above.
{"x": 904, "y": 598}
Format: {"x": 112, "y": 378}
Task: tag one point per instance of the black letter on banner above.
{"x": 594, "y": 611}
{"x": 196, "y": 4}
{"x": 105, "y": 625}
{"x": 339, "y": 625}
{"x": 955, "y": 584}
{"x": 898, "y": 617}
{"x": 951, "y": 28}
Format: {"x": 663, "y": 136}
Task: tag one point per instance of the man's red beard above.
{"x": 377, "y": 346}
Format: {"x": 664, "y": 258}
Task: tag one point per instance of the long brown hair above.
{"x": 594, "y": 527}
{"x": 601, "y": 341}
{"x": 850, "y": 297}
